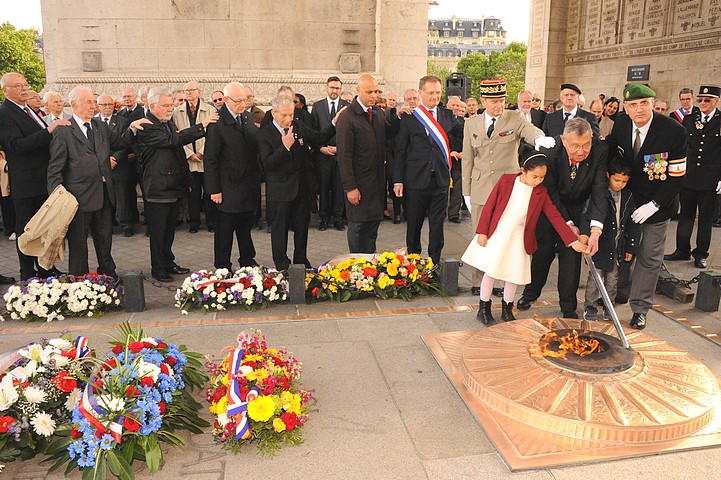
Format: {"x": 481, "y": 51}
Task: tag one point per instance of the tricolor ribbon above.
{"x": 200, "y": 284}
{"x": 435, "y": 131}
{"x": 81, "y": 347}
{"x": 236, "y": 406}
{"x": 92, "y": 411}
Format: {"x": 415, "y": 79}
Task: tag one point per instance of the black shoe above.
{"x": 571, "y": 314}
{"x": 455, "y": 220}
{"x": 249, "y": 263}
{"x": 211, "y": 228}
{"x": 700, "y": 263}
{"x": 484, "y": 312}
{"x": 497, "y": 292}
{"x": 128, "y": 232}
{"x": 524, "y": 303}
{"x": 676, "y": 256}
{"x": 163, "y": 277}
{"x": 397, "y": 219}
{"x": 6, "y": 280}
{"x": 323, "y": 226}
{"x": 475, "y": 291}
{"x": 638, "y": 321}
{"x": 507, "y": 311}
{"x": 717, "y": 223}
{"x": 269, "y": 228}
{"x": 258, "y": 226}
{"x": 339, "y": 226}
{"x": 178, "y": 270}
{"x": 193, "y": 230}
{"x": 387, "y": 217}
{"x": 53, "y": 272}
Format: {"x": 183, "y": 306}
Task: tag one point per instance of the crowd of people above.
{"x": 537, "y": 182}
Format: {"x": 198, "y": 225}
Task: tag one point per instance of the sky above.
{"x": 513, "y": 13}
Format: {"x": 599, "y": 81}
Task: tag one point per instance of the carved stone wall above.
{"x": 110, "y": 44}
{"x": 600, "y": 39}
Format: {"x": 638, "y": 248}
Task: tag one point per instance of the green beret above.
{"x": 636, "y": 91}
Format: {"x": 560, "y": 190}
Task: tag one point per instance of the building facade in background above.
{"x": 449, "y": 39}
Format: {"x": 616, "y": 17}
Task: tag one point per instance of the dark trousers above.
{"x": 126, "y": 202}
{"x": 198, "y": 196}
{"x": 330, "y": 188}
{"x": 362, "y": 236}
{"x": 623, "y": 287}
{"x": 98, "y": 223}
{"x": 397, "y": 201}
{"x": 692, "y": 200}
{"x": 569, "y": 267}
{"x": 25, "y": 208}
{"x": 421, "y": 203}
{"x": 239, "y": 224}
{"x": 8, "y": 212}
{"x": 295, "y": 214}
{"x": 161, "y": 227}
{"x": 456, "y": 195}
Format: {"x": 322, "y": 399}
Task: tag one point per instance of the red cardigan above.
{"x": 540, "y": 202}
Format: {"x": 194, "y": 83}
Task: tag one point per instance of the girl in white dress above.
{"x": 506, "y": 233}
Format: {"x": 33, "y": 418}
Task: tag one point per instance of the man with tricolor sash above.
{"x": 422, "y": 163}
{"x": 655, "y": 147}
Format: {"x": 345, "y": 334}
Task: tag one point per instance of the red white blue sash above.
{"x": 680, "y": 114}
{"x": 94, "y": 413}
{"x": 236, "y": 406}
{"x": 435, "y": 131}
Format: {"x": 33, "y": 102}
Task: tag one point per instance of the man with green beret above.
{"x": 655, "y": 147}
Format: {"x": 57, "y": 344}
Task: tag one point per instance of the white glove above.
{"x": 644, "y": 212}
{"x": 718, "y": 188}
{"x": 467, "y": 199}
{"x": 545, "y": 142}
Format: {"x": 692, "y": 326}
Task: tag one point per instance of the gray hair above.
{"x": 685, "y": 90}
{"x": 522, "y": 92}
{"x": 143, "y": 91}
{"x": 48, "y": 95}
{"x": 594, "y": 101}
{"x": 6, "y": 78}
{"x": 578, "y": 126}
{"x": 155, "y": 93}
{"x": 282, "y": 101}
{"x": 453, "y": 97}
{"x": 413, "y": 90}
{"x": 285, "y": 89}
{"x": 74, "y": 94}
{"x": 660, "y": 100}
{"x": 229, "y": 87}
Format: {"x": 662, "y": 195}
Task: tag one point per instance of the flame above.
{"x": 570, "y": 342}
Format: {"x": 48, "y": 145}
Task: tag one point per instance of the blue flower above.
{"x": 86, "y": 461}
{"x": 76, "y": 449}
{"x": 106, "y": 442}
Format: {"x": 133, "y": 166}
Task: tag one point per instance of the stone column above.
{"x": 546, "y": 61}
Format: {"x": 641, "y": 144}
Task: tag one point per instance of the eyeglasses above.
{"x": 106, "y": 104}
{"x": 192, "y": 90}
{"x": 218, "y": 99}
{"x": 236, "y": 101}
{"x": 703, "y": 100}
{"x": 536, "y": 99}
{"x": 20, "y": 85}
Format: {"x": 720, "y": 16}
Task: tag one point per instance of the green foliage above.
{"x": 17, "y": 54}
{"x": 509, "y": 65}
{"x": 440, "y": 71}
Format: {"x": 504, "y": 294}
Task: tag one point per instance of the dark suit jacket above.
{"x": 417, "y": 154}
{"x": 231, "y": 161}
{"x": 666, "y": 137}
{"x": 286, "y": 172}
{"x": 591, "y": 182}
{"x": 137, "y": 113}
{"x": 539, "y": 202}
{"x": 79, "y": 166}
{"x": 538, "y": 117}
{"x": 321, "y": 115}
{"x": 126, "y": 169}
{"x": 553, "y": 125}
{"x": 298, "y": 116}
{"x": 703, "y": 170}
{"x": 27, "y": 148}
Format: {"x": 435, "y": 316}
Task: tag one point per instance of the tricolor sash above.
{"x": 92, "y": 411}
{"x": 435, "y": 131}
{"x": 679, "y": 114}
{"x": 236, "y": 406}
{"x": 81, "y": 347}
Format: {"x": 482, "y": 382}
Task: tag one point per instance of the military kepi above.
{"x": 571, "y": 86}
{"x": 636, "y": 91}
{"x": 493, "y": 88}
{"x": 709, "y": 91}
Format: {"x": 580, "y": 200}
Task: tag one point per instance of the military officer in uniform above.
{"x": 702, "y": 182}
{"x": 490, "y": 150}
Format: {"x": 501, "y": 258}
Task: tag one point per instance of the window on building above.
{"x": 460, "y": 33}
{"x": 491, "y": 33}
{"x": 475, "y": 34}
{"x": 446, "y": 33}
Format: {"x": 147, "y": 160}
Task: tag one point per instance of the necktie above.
{"x": 574, "y": 171}
{"x": 34, "y": 117}
{"x": 491, "y": 127}
{"x": 192, "y": 110}
{"x": 705, "y": 118}
{"x": 370, "y": 114}
{"x": 566, "y": 116}
{"x": 285, "y": 131}
{"x": 332, "y": 109}
{"x": 107, "y": 121}
{"x": 433, "y": 114}
{"x": 637, "y": 143}
{"x": 90, "y": 134}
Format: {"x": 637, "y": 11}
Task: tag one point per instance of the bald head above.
{"x": 83, "y": 101}
{"x": 234, "y": 97}
{"x": 368, "y": 90}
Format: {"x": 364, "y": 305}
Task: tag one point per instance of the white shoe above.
{"x": 12, "y": 237}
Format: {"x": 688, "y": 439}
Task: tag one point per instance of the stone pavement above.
{"x": 383, "y": 408}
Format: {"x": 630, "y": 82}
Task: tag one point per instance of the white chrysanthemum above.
{"x": 60, "y": 361}
{"x": 61, "y": 344}
{"x": 43, "y": 424}
{"x": 148, "y": 369}
{"x": 73, "y": 399}
{"x": 222, "y": 419}
{"x": 35, "y": 394}
{"x": 149, "y": 340}
{"x": 111, "y": 403}
{"x": 8, "y": 394}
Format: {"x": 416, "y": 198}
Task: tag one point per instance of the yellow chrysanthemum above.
{"x": 253, "y": 358}
{"x": 220, "y": 407}
{"x": 384, "y": 282}
{"x": 261, "y": 409}
{"x": 272, "y": 351}
{"x": 295, "y": 404}
{"x": 392, "y": 269}
{"x": 224, "y": 380}
{"x": 286, "y": 397}
{"x": 278, "y": 425}
{"x": 257, "y": 375}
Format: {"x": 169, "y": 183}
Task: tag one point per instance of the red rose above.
{"x": 162, "y": 345}
{"x": 118, "y": 349}
{"x": 147, "y": 381}
{"x": 148, "y": 345}
{"x": 131, "y": 425}
{"x": 75, "y": 433}
{"x": 315, "y": 291}
{"x": 278, "y": 361}
{"x": 268, "y": 283}
{"x": 171, "y": 361}
{"x": 251, "y": 364}
{"x": 163, "y": 407}
{"x": 131, "y": 391}
{"x": 5, "y": 422}
{"x": 290, "y": 419}
{"x": 110, "y": 364}
{"x": 64, "y": 381}
{"x": 269, "y": 389}
{"x": 98, "y": 383}
{"x": 136, "y": 347}
{"x": 164, "y": 368}
{"x": 244, "y": 393}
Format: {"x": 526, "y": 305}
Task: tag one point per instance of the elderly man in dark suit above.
{"x": 361, "y": 138}
{"x": 25, "y": 138}
{"x": 166, "y": 178}
{"x": 284, "y": 146}
{"x": 422, "y": 166}
{"x": 525, "y": 105}
{"x": 576, "y": 172}
{"x": 655, "y": 146}
{"x": 80, "y": 161}
{"x": 232, "y": 176}
{"x": 554, "y": 122}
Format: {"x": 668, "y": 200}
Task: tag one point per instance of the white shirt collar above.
{"x": 573, "y": 112}
{"x": 488, "y": 118}
{"x": 365, "y": 109}
{"x": 277, "y": 125}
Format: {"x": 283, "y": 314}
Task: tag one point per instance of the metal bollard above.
{"x": 448, "y": 271}
{"x": 133, "y": 291}
{"x": 708, "y": 294}
{"x": 296, "y": 284}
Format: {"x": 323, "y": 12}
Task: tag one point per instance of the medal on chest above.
{"x": 656, "y": 165}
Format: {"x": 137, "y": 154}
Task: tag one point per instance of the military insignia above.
{"x": 705, "y": 89}
{"x": 506, "y": 133}
{"x": 656, "y": 165}
{"x": 300, "y": 141}
{"x": 699, "y": 125}
{"x": 475, "y": 135}
{"x": 573, "y": 174}
{"x": 628, "y": 94}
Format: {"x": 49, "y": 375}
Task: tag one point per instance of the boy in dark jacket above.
{"x": 618, "y": 241}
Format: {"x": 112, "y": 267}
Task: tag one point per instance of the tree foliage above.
{"x": 509, "y": 65}
{"x": 439, "y": 70}
{"x": 17, "y": 54}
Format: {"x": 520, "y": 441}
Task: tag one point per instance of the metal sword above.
{"x": 606, "y": 299}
